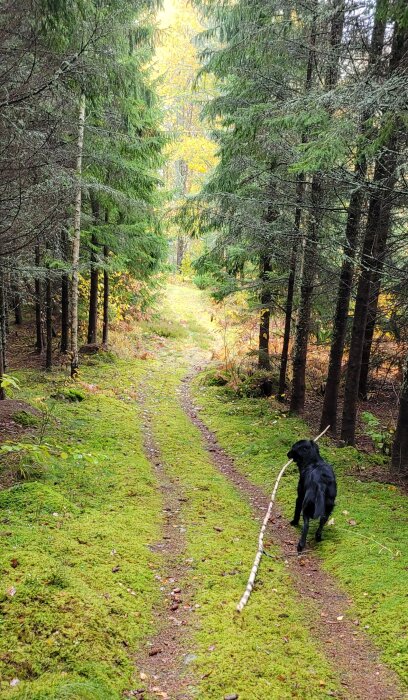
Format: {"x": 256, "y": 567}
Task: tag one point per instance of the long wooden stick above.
{"x": 242, "y": 603}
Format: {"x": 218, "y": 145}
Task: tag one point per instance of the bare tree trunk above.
{"x": 18, "y": 312}
{"x": 354, "y": 214}
{"x": 291, "y": 289}
{"x": 48, "y": 322}
{"x": 65, "y": 298}
{"x": 39, "y": 345}
{"x": 77, "y": 241}
{"x": 329, "y": 412}
{"x": 368, "y": 337}
{"x": 3, "y": 338}
{"x": 264, "y": 323}
{"x": 181, "y": 168}
{"x": 105, "y": 330}
{"x": 399, "y": 459}
{"x": 93, "y": 294}
{"x": 375, "y": 243}
{"x": 297, "y": 400}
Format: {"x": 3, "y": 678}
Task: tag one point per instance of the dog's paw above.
{"x": 318, "y": 537}
{"x": 300, "y": 547}
{"x": 295, "y": 523}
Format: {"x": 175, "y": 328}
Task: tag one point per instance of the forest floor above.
{"x": 126, "y": 549}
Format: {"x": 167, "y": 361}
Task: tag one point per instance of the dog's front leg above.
{"x": 305, "y": 530}
{"x": 298, "y": 507}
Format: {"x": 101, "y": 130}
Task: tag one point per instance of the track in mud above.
{"x": 164, "y": 659}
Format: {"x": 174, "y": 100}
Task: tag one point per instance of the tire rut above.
{"x": 163, "y": 662}
{"x": 362, "y": 675}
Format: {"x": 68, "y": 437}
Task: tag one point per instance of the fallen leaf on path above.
{"x": 143, "y": 677}
{"x": 155, "y": 651}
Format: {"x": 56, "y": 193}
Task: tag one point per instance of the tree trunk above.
{"x": 329, "y": 412}
{"x": 77, "y": 241}
{"x": 291, "y": 289}
{"x": 48, "y": 322}
{"x": 65, "y": 297}
{"x": 39, "y": 344}
{"x": 297, "y": 401}
{"x": 375, "y": 242}
{"x": 399, "y": 458}
{"x": 18, "y": 312}
{"x": 105, "y": 331}
{"x": 368, "y": 337}
{"x": 330, "y": 403}
{"x": 93, "y": 292}
{"x": 3, "y": 339}
{"x": 298, "y": 396}
{"x": 264, "y": 323}
{"x": 181, "y": 177}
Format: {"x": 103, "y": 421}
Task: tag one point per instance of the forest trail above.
{"x": 353, "y": 658}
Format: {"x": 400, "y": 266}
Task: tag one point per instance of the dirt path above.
{"x": 164, "y": 660}
{"x": 362, "y": 674}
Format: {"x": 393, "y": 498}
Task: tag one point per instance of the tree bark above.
{"x": 368, "y": 337}
{"x": 39, "y": 344}
{"x": 65, "y": 297}
{"x": 77, "y": 241}
{"x": 331, "y": 395}
{"x": 291, "y": 289}
{"x": 399, "y": 457}
{"x": 93, "y": 292}
{"x": 18, "y": 312}
{"x": 105, "y": 330}
{"x": 374, "y": 247}
{"x": 181, "y": 168}
{"x": 264, "y": 323}
{"x": 48, "y": 322}
{"x": 297, "y": 401}
{"x": 3, "y": 338}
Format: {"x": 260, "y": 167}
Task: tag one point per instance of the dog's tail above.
{"x": 320, "y": 502}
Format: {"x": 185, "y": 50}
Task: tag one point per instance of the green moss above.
{"x": 25, "y": 419}
{"x": 366, "y": 546}
{"x": 70, "y": 622}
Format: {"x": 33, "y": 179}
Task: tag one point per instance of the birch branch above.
{"x": 242, "y": 603}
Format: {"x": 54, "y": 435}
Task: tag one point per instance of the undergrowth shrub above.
{"x": 72, "y": 394}
{"x": 26, "y": 419}
{"x": 166, "y": 329}
{"x": 249, "y": 384}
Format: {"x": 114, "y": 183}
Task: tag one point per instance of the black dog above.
{"x": 316, "y": 489}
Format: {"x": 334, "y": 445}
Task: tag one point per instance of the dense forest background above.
{"x": 259, "y": 148}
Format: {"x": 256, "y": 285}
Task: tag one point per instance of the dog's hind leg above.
{"x": 305, "y": 530}
{"x": 322, "y": 523}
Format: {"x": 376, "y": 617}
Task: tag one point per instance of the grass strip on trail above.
{"x": 366, "y": 547}
{"x": 77, "y": 587}
{"x": 268, "y": 653}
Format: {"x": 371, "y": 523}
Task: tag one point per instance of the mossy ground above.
{"x": 72, "y": 621}
{"x": 68, "y": 621}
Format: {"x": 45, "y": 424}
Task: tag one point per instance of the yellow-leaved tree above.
{"x": 191, "y": 153}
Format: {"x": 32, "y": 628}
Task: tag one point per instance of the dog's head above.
{"x": 304, "y": 452}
